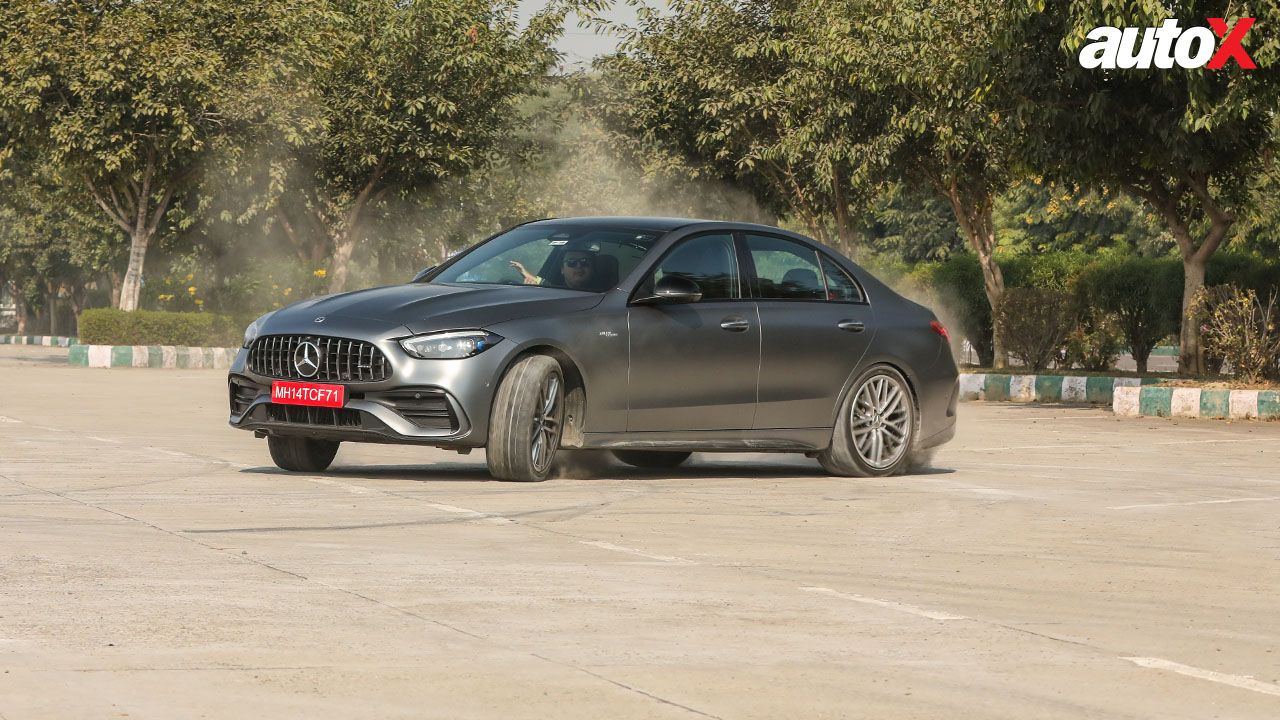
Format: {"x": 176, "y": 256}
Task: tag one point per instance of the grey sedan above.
{"x": 650, "y": 337}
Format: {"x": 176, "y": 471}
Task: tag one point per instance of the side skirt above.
{"x": 780, "y": 440}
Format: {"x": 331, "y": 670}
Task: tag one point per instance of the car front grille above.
{"x": 314, "y": 416}
{"x": 340, "y": 360}
{"x": 424, "y": 407}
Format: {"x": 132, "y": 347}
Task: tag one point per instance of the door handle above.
{"x": 851, "y": 325}
{"x": 735, "y": 324}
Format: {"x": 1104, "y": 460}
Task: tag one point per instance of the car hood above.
{"x": 423, "y": 307}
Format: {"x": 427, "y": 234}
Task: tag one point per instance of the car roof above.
{"x": 656, "y": 224}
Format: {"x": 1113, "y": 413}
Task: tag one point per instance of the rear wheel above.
{"x": 876, "y": 429}
{"x": 654, "y": 459}
{"x": 298, "y": 454}
{"x": 527, "y": 420}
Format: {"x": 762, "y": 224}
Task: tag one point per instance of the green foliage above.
{"x": 1037, "y": 216}
{"x": 912, "y": 225}
{"x": 125, "y": 99}
{"x": 957, "y": 284}
{"x": 408, "y": 94}
{"x": 108, "y": 326}
{"x": 1242, "y": 329}
{"x": 1035, "y": 323}
{"x": 1094, "y": 344}
{"x": 1142, "y": 293}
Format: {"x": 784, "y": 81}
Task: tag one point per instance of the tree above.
{"x": 1135, "y": 291}
{"x": 127, "y": 98}
{"x": 1188, "y": 143}
{"x": 49, "y": 246}
{"x": 411, "y": 92}
{"x": 833, "y": 100}
{"x": 713, "y": 88}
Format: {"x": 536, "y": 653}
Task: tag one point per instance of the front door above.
{"x": 695, "y": 366}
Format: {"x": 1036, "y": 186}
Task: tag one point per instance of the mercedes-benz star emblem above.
{"x": 306, "y": 359}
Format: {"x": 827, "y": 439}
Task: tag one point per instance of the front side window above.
{"x": 708, "y": 260}
{"x": 572, "y": 257}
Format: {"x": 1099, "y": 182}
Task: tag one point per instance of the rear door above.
{"x": 694, "y": 366}
{"x": 815, "y": 328}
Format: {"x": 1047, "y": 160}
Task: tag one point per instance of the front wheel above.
{"x": 876, "y": 427}
{"x": 527, "y": 420}
{"x": 298, "y": 454}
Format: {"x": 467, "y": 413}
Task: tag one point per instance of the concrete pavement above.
{"x": 1055, "y": 563}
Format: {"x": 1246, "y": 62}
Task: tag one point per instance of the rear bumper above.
{"x": 938, "y": 425}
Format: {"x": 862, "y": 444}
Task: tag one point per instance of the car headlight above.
{"x": 255, "y": 328}
{"x": 451, "y": 345}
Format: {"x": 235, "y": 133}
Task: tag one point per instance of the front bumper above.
{"x": 426, "y": 402}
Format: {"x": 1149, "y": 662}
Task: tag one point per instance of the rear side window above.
{"x": 785, "y": 269}
{"x": 840, "y": 287}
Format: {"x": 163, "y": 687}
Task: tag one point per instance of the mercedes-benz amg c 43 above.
{"x": 649, "y": 337}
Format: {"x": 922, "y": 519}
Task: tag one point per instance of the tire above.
{"x": 527, "y": 420}
{"x": 297, "y": 454}
{"x": 652, "y": 459}
{"x": 876, "y": 428}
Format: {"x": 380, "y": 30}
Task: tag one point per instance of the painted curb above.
{"x": 46, "y": 340}
{"x": 1045, "y": 388}
{"x": 1195, "y": 402}
{"x": 152, "y": 356}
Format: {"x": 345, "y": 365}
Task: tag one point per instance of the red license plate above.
{"x": 313, "y": 394}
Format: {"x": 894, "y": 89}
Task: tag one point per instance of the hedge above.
{"x": 106, "y": 326}
{"x": 1145, "y": 293}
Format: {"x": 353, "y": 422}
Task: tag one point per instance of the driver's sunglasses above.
{"x": 578, "y": 263}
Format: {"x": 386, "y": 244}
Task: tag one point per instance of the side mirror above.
{"x": 423, "y": 273}
{"x": 673, "y": 290}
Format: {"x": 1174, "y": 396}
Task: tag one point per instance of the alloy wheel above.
{"x": 881, "y": 421}
{"x": 546, "y": 424}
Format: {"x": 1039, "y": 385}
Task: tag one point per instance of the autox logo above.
{"x": 306, "y": 359}
{"x": 1168, "y": 45}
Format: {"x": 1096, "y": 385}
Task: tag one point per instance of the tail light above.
{"x": 940, "y": 329}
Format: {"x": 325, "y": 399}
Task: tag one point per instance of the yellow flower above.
{"x": 288, "y": 290}
{"x": 199, "y": 302}
{"x": 190, "y": 276}
{"x": 191, "y": 290}
{"x": 320, "y": 273}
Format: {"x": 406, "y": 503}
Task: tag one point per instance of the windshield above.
{"x": 573, "y": 257}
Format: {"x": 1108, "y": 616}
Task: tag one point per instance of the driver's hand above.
{"x": 529, "y": 278}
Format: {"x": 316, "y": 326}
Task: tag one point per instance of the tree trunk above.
{"x": 844, "y": 234}
{"x": 1190, "y": 353}
{"x": 346, "y": 235}
{"x": 78, "y": 293}
{"x": 19, "y": 310}
{"x": 1167, "y": 201}
{"x": 344, "y": 244}
{"x": 131, "y": 288}
{"x": 116, "y": 283}
{"x": 974, "y": 216}
{"x": 53, "y": 309}
{"x": 1141, "y": 362}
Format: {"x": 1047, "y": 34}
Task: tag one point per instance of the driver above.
{"x": 577, "y": 266}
